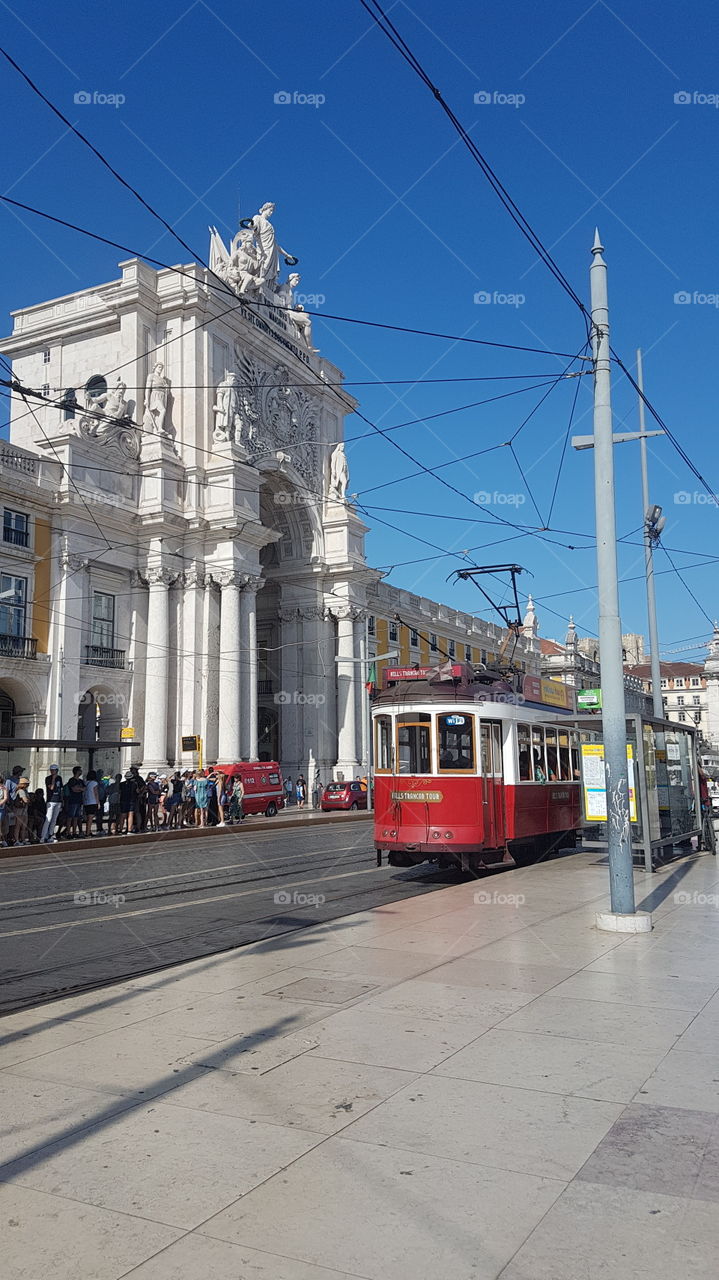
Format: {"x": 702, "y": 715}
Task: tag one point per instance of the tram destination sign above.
{"x": 454, "y": 671}
{"x": 425, "y": 797}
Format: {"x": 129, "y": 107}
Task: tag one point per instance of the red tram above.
{"x": 471, "y": 773}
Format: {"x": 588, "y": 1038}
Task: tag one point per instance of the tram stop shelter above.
{"x": 664, "y": 803}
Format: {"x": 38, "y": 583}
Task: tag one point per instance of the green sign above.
{"x": 589, "y": 700}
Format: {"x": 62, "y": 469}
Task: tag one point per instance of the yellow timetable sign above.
{"x": 594, "y": 782}
{"x": 129, "y": 732}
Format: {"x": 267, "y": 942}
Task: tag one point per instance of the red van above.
{"x": 264, "y": 792}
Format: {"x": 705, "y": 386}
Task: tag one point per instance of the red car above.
{"x": 344, "y": 795}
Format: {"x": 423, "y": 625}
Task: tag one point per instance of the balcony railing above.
{"x": 18, "y": 537}
{"x": 97, "y": 656}
{"x": 264, "y": 687}
{"x": 17, "y": 647}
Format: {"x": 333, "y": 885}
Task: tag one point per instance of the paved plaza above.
{"x": 468, "y": 1084}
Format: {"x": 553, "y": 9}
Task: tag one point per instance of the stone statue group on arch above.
{"x": 251, "y": 267}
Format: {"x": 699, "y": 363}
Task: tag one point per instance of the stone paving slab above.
{"x": 438, "y": 1087}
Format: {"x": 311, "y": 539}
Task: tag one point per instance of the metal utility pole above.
{"x": 619, "y": 846}
{"x": 652, "y": 529}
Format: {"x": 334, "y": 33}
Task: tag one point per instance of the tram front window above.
{"x": 413, "y": 754}
{"x": 455, "y": 743}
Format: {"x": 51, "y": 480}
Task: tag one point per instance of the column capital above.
{"x": 193, "y": 577}
{"x": 253, "y": 582}
{"x": 157, "y": 576}
{"x": 346, "y": 612}
{"x": 287, "y": 614}
{"x": 230, "y": 578}
{"x": 314, "y": 611}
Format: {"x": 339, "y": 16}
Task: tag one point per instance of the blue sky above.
{"x": 394, "y": 222}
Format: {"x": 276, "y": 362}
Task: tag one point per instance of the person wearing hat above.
{"x": 53, "y": 798}
{"x": 153, "y": 800}
{"x": 128, "y": 802}
{"x": 21, "y": 803}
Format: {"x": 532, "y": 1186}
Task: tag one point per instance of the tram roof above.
{"x": 459, "y": 683}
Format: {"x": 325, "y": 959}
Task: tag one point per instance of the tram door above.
{"x": 492, "y": 784}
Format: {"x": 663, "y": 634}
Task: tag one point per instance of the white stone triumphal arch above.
{"x": 203, "y": 548}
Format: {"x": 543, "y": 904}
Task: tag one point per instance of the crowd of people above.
{"x": 120, "y": 805}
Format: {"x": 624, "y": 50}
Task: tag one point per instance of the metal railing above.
{"x": 17, "y": 646}
{"x": 18, "y": 537}
{"x": 264, "y": 687}
{"x": 97, "y": 656}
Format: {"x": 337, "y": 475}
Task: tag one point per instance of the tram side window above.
{"x": 539, "y": 766}
{"x": 413, "y": 743}
{"x": 565, "y": 767}
{"x": 575, "y": 755}
{"x": 552, "y": 755}
{"x": 383, "y": 744}
{"x": 456, "y": 742}
{"x": 524, "y": 753}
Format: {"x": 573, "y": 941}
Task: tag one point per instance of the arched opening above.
{"x": 100, "y": 715}
{"x": 7, "y": 715}
{"x": 268, "y": 734}
{"x": 94, "y": 388}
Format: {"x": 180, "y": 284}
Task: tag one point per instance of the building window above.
{"x": 371, "y": 625}
{"x": 663, "y": 684}
{"x": 468, "y": 653}
{"x": 680, "y": 702}
{"x": 678, "y": 684}
{"x": 15, "y": 528}
{"x": 393, "y": 632}
{"x": 433, "y": 642}
{"x": 13, "y": 605}
{"x": 46, "y": 356}
{"x": 696, "y": 682}
{"x": 452, "y": 648}
{"x": 103, "y": 620}
{"x": 45, "y": 390}
{"x": 696, "y": 700}
{"x": 70, "y": 404}
{"x": 414, "y": 638}
{"x": 682, "y": 716}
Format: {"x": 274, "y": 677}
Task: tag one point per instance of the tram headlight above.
{"x": 448, "y": 835}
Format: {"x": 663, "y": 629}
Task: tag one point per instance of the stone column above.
{"x": 347, "y": 762}
{"x": 71, "y": 611}
{"x": 157, "y": 685}
{"x": 193, "y": 669}
{"x": 286, "y": 698}
{"x": 248, "y": 654}
{"x": 210, "y": 658}
{"x": 230, "y": 707}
